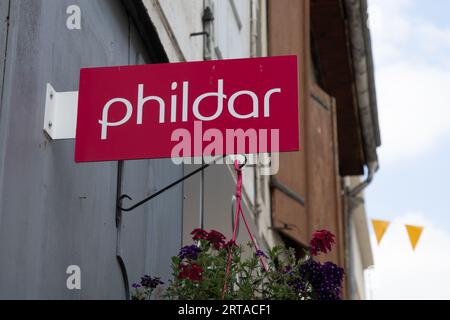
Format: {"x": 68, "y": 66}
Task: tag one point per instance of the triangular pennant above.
{"x": 414, "y": 233}
{"x": 380, "y": 227}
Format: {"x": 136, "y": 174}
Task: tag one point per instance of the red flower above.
{"x": 199, "y": 234}
{"x": 229, "y": 245}
{"x": 216, "y": 239}
{"x": 192, "y": 272}
{"x": 321, "y": 241}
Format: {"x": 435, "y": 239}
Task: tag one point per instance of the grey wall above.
{"x": 4, "y": 10}
{"x": 53, "y": 212}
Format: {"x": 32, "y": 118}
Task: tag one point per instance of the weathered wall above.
{"x": 53, "y": 212}
{"x": 312, "y": 173}
{"x": 289, "y": 34}
{"x": 175, "y": 21}
{"x": 4, "y": 11}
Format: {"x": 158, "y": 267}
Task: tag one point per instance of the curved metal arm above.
{"x": 173, "y": 184}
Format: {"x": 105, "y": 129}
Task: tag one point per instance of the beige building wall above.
{"x": 361, "y": 251}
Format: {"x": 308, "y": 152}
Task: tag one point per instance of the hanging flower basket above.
{"x": 214, "y": 268}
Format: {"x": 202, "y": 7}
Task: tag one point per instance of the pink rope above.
{"x": 261, "y": 258}
{"x": 238, "y": 213}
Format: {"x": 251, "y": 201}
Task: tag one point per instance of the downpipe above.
{"x": 353, "y": 201}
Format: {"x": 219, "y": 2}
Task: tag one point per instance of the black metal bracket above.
{"x": 207, "y": 17}
{"x": 202, "y": 33}
{"x": 173, "y": 184}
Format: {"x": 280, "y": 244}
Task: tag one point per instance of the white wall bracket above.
{"x": 60, "y": 119}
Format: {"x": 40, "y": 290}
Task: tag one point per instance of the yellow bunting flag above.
{"x": 380, "y": 227}
{"x": 414, "y": 233}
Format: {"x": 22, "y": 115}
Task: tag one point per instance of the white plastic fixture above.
{"x": 60, "y": 119}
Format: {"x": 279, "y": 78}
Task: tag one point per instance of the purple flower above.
{"x": 295, "y": 282}
{"x": 189, "y": 252}
{"x": 288, "y": 270}
{"x": 136, "y": 285}
{"x": 332, "y": 283}
{"x": 150, "y": 282}
{"x": 326, "y": 279}
{"x": 298, "y": 285}
{"x": 260, "y": 253}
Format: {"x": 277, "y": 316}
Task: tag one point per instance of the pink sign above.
{"x": 188, "y": 109}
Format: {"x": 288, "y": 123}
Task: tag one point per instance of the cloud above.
{"x": 412, "y": 77}
{"x": 399, "y": 34}
{"x": 390, "y": 28}
{"x": 414, "y": 109}
{"x": 400, "y": 272}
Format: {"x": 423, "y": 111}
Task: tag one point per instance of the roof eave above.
{"x": 363, "y": 65}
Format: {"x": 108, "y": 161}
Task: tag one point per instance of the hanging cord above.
{"x": 239, "y": 212}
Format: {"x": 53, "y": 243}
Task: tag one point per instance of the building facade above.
{"x": 55, "y": 213}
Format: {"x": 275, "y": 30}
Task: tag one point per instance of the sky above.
{"x": 411, "y": 46}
